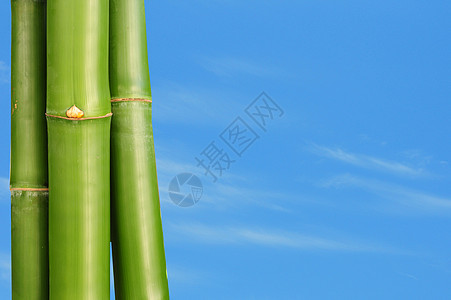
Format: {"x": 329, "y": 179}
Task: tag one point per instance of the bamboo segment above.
{"x": 137, "y": 239}
{"x": 137, "y": 235}
{"x": 129, "y": 68}
{"x": 79, "y": 146}
{"x": 79, "y": 208}
{"x": 29, "y": 245}
{"x": 29, "y": 196}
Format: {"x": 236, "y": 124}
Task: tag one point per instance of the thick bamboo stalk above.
{"x": 79, "y": 147}
{"x": 137, "y": 236}
{"x": 29, "y": 195}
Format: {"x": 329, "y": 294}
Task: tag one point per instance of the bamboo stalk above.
{"x": 78, "y": 116}
{"x": 29, "y": 196}
{"x": 137, "y": 236}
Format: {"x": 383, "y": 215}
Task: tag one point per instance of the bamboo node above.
{"x": 74, "y": 113}
{"x": 130, "y": 99}
{"x": 14, "y": 108}
{"x": 79, "y": 119}
{"x": 29, "y": 189}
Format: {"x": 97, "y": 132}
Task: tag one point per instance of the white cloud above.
{"x": 4, "y": 185}
{"x": 269, "y": 238}
{"x": 366, "y": 161}
{"x": 233, "y": 194}
{"x": 4, "y": 189}
{"x": 408, "y": 275}
{"x": 5, "y": 73}
{"x": 170, "y": 168}
{"x": 5, "y": 267}
{"x": 419, "y": 200}
{"x": 195, "y": 105}
{"x": 231, "y": 191}
{"x": 185, "y": 275}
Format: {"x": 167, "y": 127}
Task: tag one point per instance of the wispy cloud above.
{"x": 5, "y": 267}
{"x": 219, "y": 196}
{"x": 4, "y": 189}
{"x": 419, "y": 200}
{"x": 5, "y": 73}
{"x": 4, "y": 185}
{"x": 408, "y": 275}
{"x": 366, "y": 161}
{"x": 175, "y": 103}
{"x": 279, "y": 239}
{"x": 232, "y": 191}
{"x": 229, "y": 66}
{"x": 170, "y": 168}
{"x": 185, "y": 275}
{"x": 418, "y": 156}
{"x": 234, "y": 194}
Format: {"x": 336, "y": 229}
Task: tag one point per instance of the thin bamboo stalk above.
{"x": 137, "y": 235}
{"x": 78, "y": 116}
{"x": 29, "y": 195}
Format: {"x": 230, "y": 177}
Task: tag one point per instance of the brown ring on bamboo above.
{"x": 79, "y": 119}
{"x": 131, "y": 99}
{"x": 30, "y": 189}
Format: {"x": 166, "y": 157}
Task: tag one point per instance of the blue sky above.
{"x": 346, "y": 196}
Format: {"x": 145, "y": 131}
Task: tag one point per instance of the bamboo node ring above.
{"x": 80, "y": 119}
{"x": 131, "y": 99}
{"x": 30, "y": 189}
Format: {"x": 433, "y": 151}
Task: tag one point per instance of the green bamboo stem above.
{"x": 79, "y": 182}
{"x": 137, "y": 235}
{"x": 29, "y": 195}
